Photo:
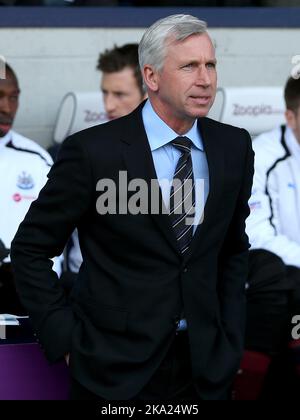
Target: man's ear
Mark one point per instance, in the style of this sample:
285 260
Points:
290 118
151 78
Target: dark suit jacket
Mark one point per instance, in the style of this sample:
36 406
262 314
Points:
133 283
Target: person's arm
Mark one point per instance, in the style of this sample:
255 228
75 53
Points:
42 235
263 222
233 267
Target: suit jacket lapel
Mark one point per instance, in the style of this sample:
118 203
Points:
215 159
139 162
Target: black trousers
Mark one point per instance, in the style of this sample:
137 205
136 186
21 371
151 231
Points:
273 298
171 382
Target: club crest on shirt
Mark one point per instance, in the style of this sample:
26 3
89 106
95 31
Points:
25 181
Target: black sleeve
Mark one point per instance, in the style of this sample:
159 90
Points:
42 235
234 260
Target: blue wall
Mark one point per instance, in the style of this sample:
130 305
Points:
125 17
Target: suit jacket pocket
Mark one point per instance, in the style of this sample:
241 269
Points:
104 316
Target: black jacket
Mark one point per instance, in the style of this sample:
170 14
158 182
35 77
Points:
133 283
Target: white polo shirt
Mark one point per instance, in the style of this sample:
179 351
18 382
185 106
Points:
24 166
274 222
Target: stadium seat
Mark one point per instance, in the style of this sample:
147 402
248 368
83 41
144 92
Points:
78 111
251 377
257 109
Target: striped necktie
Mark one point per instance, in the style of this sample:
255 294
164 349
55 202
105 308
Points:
182 196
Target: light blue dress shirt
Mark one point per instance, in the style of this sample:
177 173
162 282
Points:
166 156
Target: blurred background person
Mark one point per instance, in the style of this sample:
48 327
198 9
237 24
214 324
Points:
122 84
273 227
24 166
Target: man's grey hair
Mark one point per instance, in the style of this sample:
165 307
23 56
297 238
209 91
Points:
153 46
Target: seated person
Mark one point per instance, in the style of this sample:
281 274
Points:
24 166
273 228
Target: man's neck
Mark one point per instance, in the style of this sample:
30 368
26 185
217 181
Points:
180 125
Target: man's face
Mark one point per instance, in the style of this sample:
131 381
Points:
121 93
9 102
186 86
293 120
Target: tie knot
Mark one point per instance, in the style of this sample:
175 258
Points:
183 144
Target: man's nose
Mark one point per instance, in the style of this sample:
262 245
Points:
110 103
203 78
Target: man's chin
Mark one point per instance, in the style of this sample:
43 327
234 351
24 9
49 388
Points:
200 112
2 134
4 130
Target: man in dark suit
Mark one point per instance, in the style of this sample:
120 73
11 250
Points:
158 308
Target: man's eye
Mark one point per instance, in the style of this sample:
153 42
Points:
189 66
211 65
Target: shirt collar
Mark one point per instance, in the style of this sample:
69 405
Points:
160 134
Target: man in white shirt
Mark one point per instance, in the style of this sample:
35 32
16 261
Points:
274 223
24 166
273 228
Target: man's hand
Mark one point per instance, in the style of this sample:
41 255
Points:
67 358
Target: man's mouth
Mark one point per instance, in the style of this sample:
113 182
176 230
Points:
5 126
201 100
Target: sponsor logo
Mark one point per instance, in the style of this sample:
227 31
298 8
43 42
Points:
19 197
94 117
25 181
256 205
255 110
